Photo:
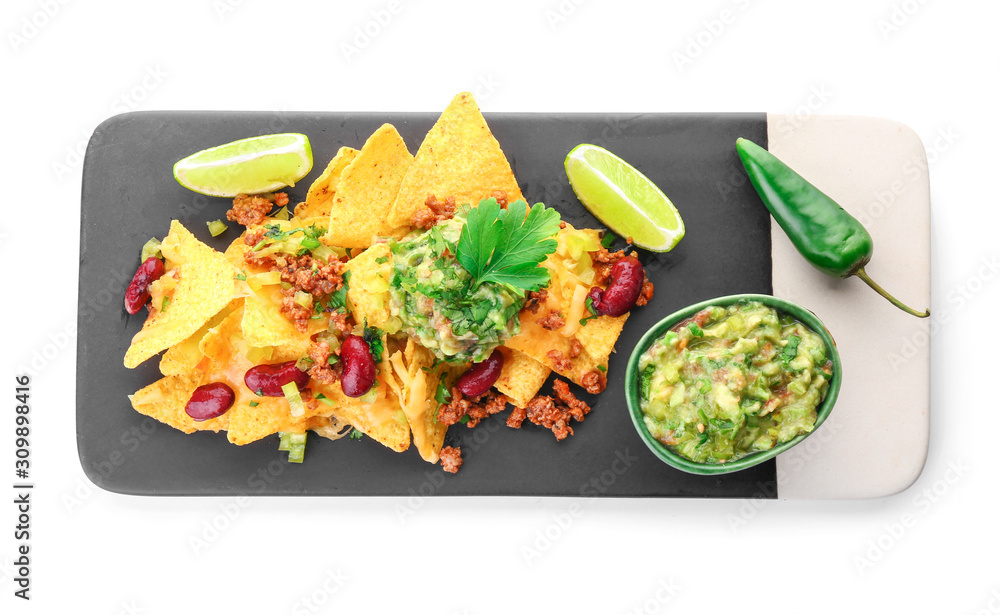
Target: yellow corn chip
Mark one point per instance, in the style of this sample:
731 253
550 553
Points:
184 356
599 335
459 157
271 415
551 349
204 284
368 288
265 325
367 190
165 399
382 420
320 195
250 418
521 377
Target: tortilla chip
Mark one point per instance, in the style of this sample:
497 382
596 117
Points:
271 415
521 377
367 190
538 342
205 283
381 420
320 195
415 388
368 287
265 325
165 399
599 335
184 356
459 157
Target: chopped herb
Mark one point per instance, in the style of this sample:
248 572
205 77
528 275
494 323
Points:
242 275
373 335
442 395
608 239
356 435
646 380
323 398
589 304
704 385
464 419
254 404
507 246
332 359
259 392
791 349
165 304
717 364
602 368
338 300
382 260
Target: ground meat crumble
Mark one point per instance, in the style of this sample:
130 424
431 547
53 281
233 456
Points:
304 273
559 361
552 413
251 209
553 321
603 262
321 370
451 459
594 381
433 212
534 300
476 408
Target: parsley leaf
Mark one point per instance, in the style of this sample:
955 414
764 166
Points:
506 246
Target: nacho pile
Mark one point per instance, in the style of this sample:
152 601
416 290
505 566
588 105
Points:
290 290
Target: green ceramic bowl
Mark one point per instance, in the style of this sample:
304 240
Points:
682 463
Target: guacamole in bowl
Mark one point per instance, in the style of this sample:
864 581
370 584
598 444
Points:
728 383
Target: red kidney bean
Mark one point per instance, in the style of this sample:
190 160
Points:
359 366
481 376
210 401
137 293
622 293
268 379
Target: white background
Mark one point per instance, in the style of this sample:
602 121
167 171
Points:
67 66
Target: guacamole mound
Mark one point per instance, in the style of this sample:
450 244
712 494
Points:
430 294
733 381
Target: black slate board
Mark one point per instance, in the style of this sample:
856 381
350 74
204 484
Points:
129 195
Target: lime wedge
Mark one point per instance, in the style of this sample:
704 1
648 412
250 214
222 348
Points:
248 166
623 198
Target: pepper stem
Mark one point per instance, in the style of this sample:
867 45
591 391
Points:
896 302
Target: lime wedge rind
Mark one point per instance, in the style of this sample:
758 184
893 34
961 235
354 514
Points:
252 165
624 199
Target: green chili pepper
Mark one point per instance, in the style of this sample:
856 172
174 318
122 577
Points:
831 239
